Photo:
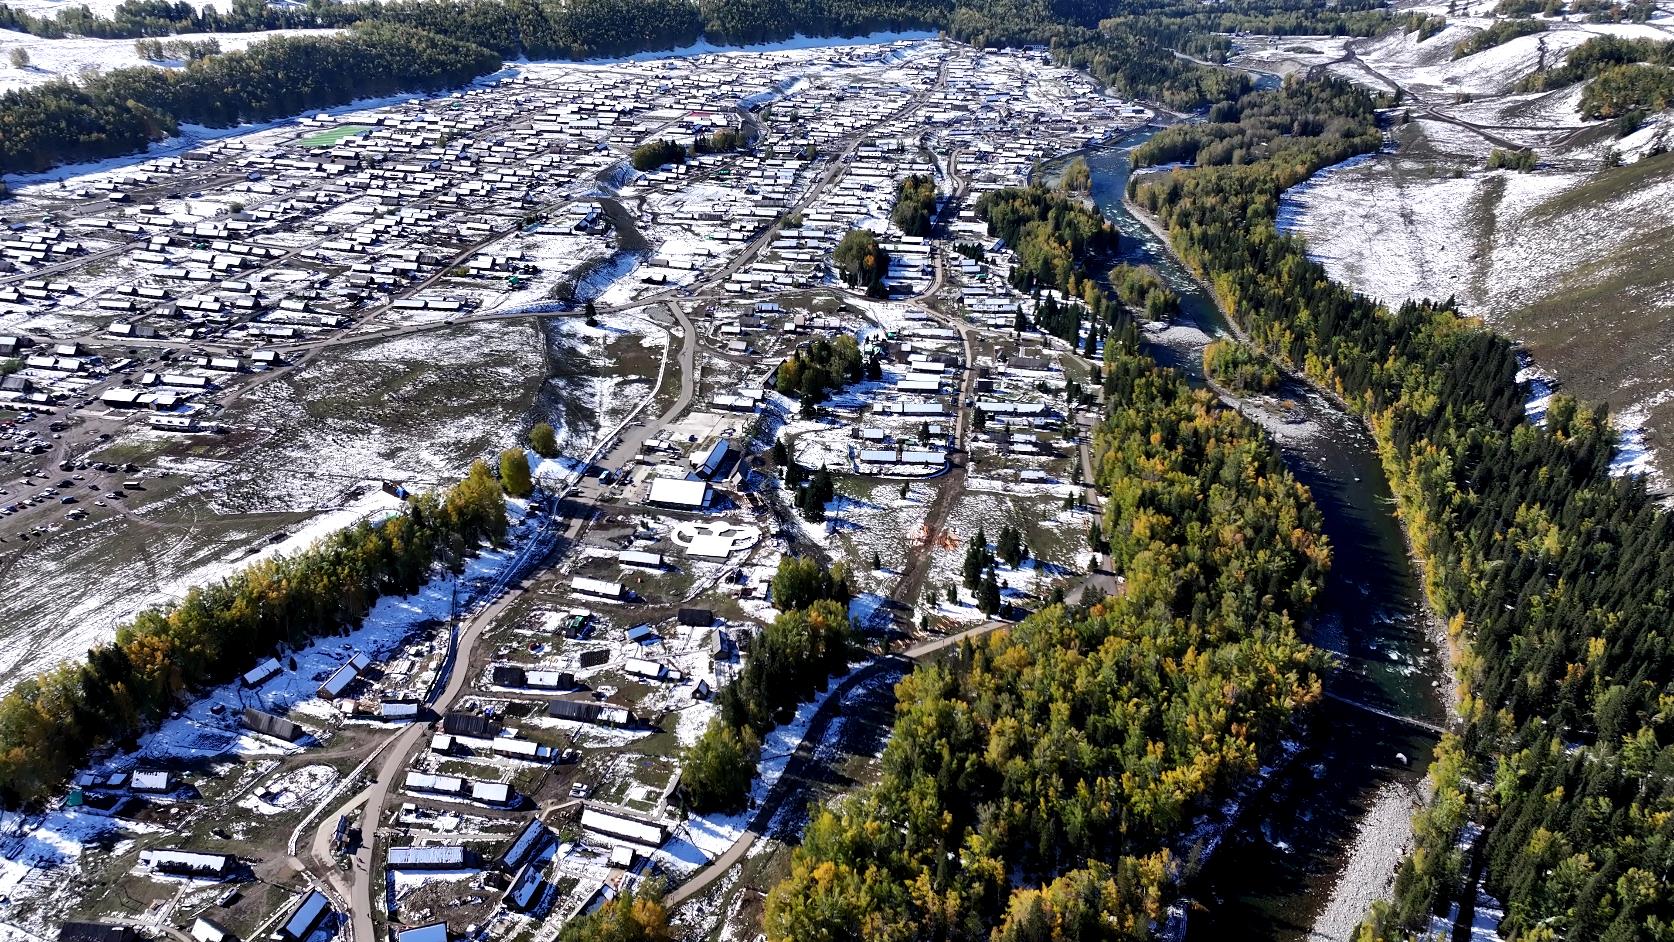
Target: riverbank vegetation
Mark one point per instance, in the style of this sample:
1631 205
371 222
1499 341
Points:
1143 290
1239 368
1057 239
1061 243
1552 574
51 724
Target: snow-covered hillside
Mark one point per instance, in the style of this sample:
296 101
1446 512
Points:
51 59
1570 258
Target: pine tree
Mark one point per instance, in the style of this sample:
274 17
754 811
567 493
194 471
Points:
988 594
819 492
974 559
1010 546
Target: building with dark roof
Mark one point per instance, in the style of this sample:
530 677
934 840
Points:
470 724
96 932
275 726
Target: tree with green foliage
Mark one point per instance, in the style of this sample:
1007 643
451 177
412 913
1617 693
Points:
988 594
820 367
716 771
1078 177
1010 548
635 916
122 110
812 499
544 440
789 660
800 581
976 560
1239 367
514 472
1553 580
720 141
915 205
659 153
1020 761
862 262
51 723
1498 33
1521 160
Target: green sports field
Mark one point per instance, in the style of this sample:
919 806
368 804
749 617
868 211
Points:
334 136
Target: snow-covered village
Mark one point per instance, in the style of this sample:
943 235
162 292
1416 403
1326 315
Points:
246 343
827 470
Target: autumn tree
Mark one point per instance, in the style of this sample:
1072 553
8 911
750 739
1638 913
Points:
915 205
635 916
1078 177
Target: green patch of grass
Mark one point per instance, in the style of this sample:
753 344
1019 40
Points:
334 136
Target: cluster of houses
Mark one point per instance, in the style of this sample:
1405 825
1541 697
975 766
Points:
404 212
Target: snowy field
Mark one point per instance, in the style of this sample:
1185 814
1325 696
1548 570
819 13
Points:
75 56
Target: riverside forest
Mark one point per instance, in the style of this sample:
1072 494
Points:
607 471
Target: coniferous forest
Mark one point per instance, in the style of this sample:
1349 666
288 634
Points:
1059 761
1554 576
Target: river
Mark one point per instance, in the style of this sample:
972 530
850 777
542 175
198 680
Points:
1310 852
